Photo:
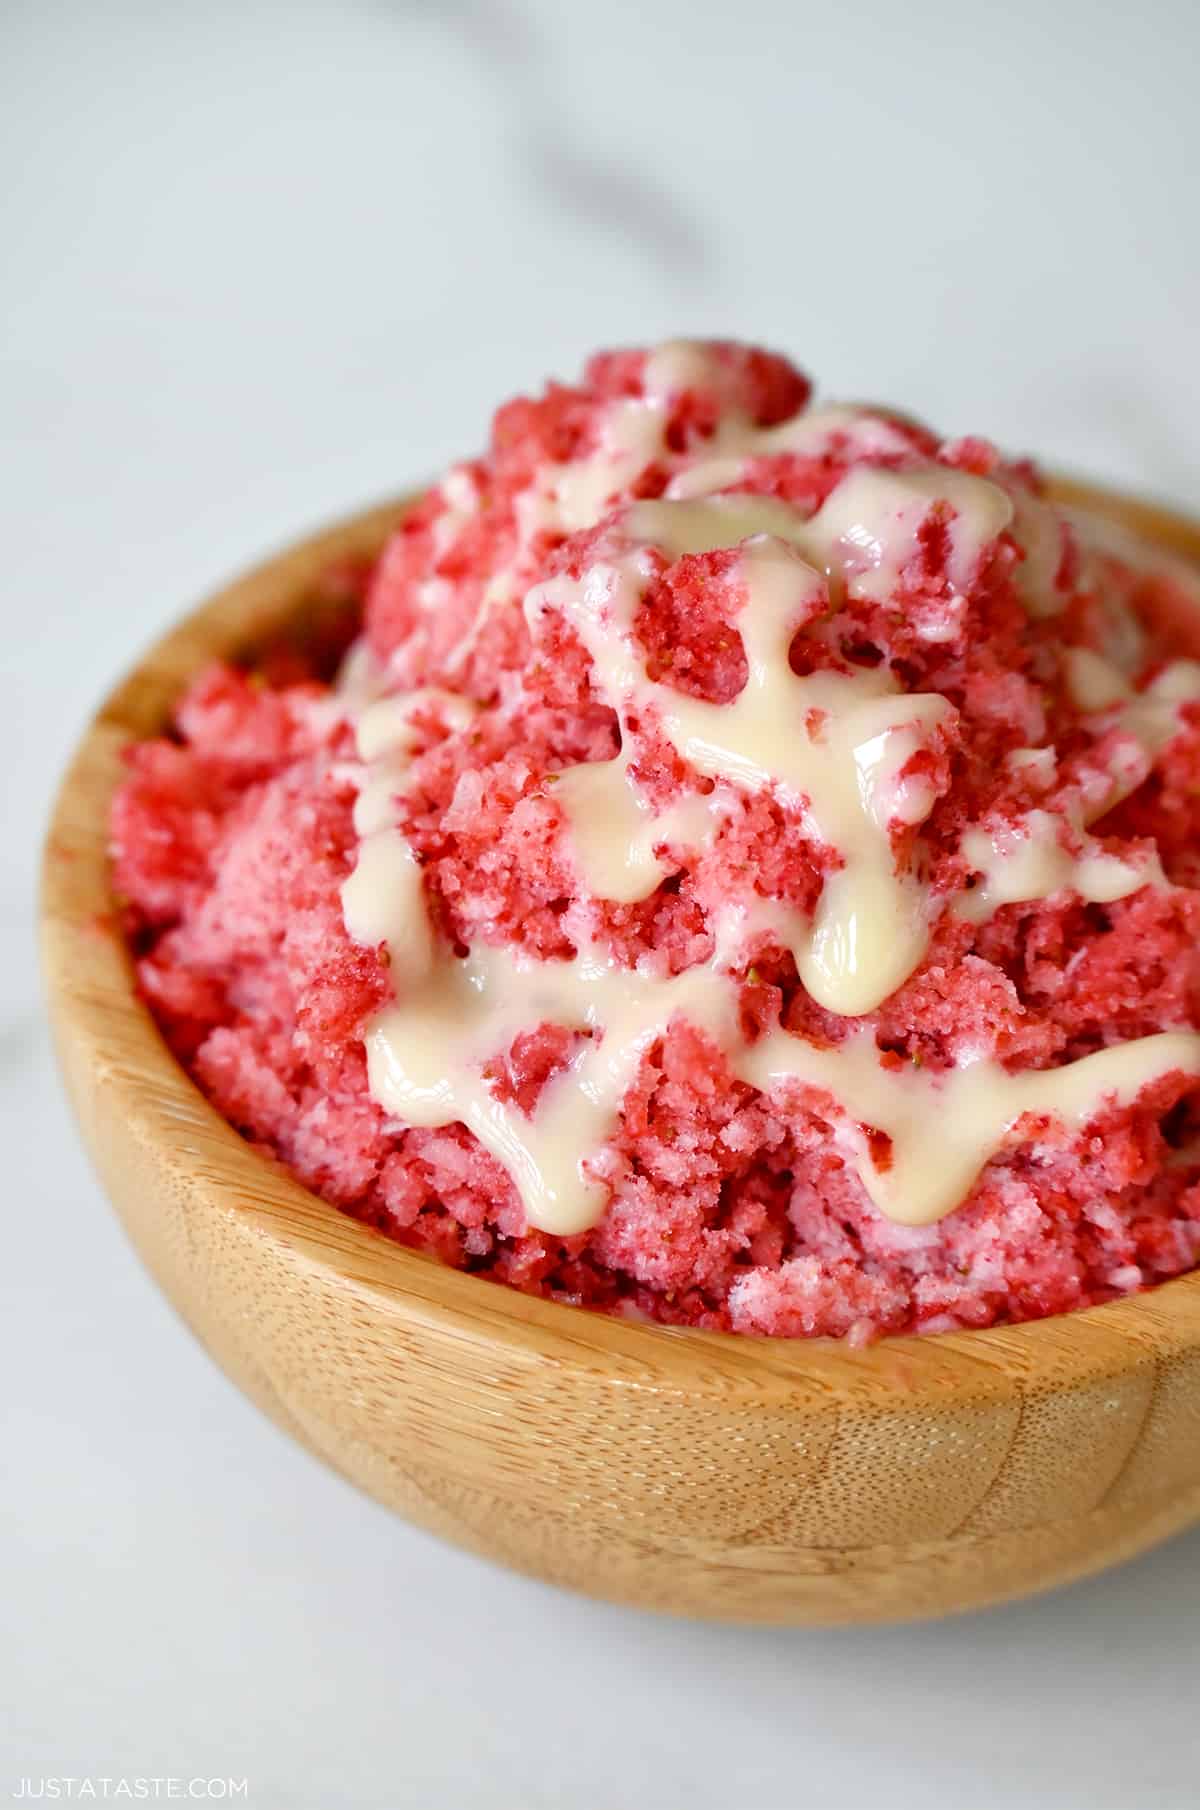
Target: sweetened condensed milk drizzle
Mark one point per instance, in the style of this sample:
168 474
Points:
836 747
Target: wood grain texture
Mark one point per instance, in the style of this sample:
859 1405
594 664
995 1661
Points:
748 1480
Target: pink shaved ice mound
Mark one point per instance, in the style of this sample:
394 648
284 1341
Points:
722 1204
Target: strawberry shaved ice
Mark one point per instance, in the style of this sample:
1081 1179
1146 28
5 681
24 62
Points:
744 874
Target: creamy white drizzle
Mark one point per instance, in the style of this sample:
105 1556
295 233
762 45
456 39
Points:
631 437
383 902
1044 852
834 745
1143 721
574 495
1093 682
867 526
943 1128
616 836
383 899
425 1057
859 431
1028 859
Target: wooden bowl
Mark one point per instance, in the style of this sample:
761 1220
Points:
743 1479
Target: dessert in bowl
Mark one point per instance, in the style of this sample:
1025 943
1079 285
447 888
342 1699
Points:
739 880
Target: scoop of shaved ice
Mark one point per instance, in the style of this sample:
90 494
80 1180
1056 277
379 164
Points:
726 1207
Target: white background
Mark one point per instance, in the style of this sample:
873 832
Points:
263 263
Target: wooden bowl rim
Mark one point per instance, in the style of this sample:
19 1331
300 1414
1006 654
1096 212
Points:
89 981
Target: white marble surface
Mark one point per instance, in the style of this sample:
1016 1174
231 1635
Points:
261 263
